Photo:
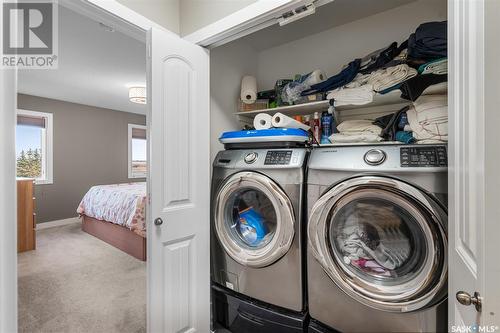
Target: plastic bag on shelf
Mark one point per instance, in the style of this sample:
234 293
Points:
292 91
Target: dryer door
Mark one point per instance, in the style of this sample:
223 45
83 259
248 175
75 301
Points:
383 242
254 219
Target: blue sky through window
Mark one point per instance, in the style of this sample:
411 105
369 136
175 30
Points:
28 137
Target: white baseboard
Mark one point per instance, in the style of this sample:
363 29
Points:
58 223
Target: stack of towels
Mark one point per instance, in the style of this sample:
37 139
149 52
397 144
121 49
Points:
351 131
428 118
362 89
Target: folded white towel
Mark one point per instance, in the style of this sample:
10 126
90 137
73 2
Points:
355 137
387 77
358 126
349 95
436 89
428 118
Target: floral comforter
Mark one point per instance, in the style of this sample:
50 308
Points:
122 204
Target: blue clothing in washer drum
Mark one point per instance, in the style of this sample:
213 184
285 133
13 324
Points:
252 226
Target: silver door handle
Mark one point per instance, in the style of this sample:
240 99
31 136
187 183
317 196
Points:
466 299
158 221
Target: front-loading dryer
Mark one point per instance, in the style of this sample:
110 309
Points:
377 238
257 241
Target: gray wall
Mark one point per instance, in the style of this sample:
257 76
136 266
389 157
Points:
228 64
162 12
90 148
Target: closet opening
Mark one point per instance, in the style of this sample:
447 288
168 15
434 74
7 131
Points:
329 43
365 83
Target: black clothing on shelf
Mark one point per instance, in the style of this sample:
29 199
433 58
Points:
414 87
429 41
389 124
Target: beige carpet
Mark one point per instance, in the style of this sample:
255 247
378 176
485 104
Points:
74 282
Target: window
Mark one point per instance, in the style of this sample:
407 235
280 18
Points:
34 146
137 151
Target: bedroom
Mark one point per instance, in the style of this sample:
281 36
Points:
81 148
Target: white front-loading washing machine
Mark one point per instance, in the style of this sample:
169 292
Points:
377 238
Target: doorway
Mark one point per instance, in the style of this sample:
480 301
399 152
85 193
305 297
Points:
81 144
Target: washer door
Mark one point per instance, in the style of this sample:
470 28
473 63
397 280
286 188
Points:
382 241
254 219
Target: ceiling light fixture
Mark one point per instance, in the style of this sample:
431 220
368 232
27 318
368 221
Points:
137 95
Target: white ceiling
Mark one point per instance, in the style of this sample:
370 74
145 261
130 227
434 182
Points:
96 66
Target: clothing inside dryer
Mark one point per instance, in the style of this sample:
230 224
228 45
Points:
251 218
377 240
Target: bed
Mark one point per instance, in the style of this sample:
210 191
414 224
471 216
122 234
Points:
116 214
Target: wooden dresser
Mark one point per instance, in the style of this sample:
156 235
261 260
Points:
26 217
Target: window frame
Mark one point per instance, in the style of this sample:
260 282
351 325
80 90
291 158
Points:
47 145
131 174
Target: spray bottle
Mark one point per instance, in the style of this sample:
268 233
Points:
316 127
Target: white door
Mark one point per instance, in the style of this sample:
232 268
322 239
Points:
474 156
179 183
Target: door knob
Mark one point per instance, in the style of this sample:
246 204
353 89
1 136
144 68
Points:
466 299
158 221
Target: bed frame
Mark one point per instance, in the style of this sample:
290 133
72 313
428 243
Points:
116 235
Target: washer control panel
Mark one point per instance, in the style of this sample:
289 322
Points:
435 156
278 157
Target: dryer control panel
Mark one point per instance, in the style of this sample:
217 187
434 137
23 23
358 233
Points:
434 156
278 157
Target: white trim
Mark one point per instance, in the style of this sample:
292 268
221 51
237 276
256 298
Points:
245 21
132 175
57 223
47 145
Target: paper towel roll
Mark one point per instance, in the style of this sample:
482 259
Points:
315 77
282 121
248 89
262 121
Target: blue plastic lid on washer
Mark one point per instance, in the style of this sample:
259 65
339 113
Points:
270 133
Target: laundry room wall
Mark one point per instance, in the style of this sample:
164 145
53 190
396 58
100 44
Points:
228 64
331 49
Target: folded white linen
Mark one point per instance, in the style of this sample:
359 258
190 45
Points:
354 137
428 118
387 77
436 89
352 95
358 126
